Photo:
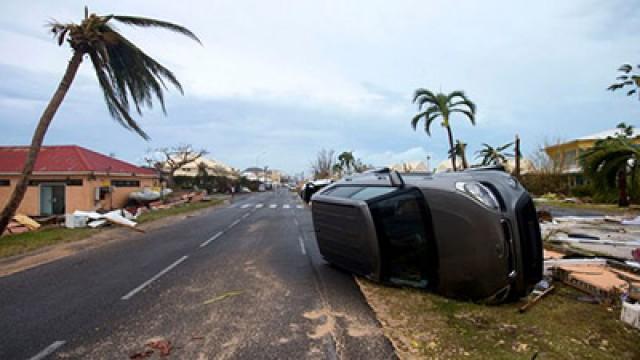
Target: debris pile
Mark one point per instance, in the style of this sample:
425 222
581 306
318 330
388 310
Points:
598 255
21 224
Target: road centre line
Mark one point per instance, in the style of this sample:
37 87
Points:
131 293
304 252
48 350
273 206
211 239
245 206
246 215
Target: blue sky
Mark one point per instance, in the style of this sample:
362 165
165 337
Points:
276 81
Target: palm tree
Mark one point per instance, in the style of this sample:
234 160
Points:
493 155
442 106
125 74
611 161
627 79
461 152
346 161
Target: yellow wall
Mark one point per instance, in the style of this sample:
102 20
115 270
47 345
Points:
76 197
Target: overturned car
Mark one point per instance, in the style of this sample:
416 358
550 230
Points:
472 234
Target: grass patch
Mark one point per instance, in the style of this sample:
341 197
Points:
22 243
426 325
177 210
11 245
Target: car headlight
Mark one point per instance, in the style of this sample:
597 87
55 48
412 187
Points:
479 193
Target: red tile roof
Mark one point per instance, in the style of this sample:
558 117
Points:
66 158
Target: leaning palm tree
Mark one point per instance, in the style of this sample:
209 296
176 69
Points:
493 155
125 74
611 161
442 106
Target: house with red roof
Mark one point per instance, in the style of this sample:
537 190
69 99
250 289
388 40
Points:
68 178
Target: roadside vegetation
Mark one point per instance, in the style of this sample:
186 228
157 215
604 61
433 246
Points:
18 244
425 325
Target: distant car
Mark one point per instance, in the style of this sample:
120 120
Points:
245 189
312 187
472 234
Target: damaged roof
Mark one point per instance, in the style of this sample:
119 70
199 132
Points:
66 159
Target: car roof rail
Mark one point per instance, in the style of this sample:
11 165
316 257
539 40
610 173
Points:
496 167
394 177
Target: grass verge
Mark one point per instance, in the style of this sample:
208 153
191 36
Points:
425 325
11 245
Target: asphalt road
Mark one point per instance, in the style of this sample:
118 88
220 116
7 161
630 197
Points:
242 281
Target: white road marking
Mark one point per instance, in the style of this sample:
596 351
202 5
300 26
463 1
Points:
286 206
233 224
48 350
299 206
304 252
245 206
258 206
296 221
211 239
131 293
246 215
273 206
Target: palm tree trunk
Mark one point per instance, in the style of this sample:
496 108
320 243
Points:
623 199
451 148
38 137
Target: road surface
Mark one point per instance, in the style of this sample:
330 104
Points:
240 281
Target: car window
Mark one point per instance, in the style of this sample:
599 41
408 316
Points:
371 192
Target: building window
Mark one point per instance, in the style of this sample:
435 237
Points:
5 182
68 182
125 183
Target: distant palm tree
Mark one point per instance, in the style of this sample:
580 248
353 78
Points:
346 161
611 161
461 152
627 79
442 106
125 74
494 156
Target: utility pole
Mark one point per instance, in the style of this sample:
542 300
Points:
517 154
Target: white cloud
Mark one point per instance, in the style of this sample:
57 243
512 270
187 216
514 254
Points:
387 158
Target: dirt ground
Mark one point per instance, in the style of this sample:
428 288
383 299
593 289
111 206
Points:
560 326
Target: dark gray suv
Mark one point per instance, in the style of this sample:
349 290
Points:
472 234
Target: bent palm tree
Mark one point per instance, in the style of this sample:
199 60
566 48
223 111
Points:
494 156
442 106
609 163
125 74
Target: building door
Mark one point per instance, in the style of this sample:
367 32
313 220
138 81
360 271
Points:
52 199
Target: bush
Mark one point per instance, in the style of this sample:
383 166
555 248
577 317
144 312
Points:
581 191
539 184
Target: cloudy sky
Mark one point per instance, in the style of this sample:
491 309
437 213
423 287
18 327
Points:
276 81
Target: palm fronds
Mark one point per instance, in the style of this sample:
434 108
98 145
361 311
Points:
125 73
627 79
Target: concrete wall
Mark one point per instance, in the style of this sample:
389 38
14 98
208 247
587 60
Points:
76 197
